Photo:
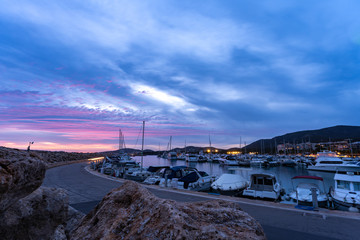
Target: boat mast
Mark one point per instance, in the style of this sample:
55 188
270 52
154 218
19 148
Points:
276 152
119 141
170 143
185 145
240 146
142 147
210 146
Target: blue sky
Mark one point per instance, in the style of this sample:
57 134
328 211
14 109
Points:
73 72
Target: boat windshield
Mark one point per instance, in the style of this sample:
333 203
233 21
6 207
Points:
343 184
327 154
331 162
356 186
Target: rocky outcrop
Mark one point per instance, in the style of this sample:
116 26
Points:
73 219
20 174
27 211
132 212
36 216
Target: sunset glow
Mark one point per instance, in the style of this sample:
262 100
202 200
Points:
73 73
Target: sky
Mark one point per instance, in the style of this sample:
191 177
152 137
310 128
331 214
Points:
72 73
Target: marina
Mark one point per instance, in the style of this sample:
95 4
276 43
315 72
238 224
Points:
87 188
283 173
292 184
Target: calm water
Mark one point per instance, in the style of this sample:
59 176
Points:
284 174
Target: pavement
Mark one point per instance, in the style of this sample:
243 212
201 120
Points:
86 188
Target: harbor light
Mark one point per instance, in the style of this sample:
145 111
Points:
95 159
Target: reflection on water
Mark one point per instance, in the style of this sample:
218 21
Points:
284 174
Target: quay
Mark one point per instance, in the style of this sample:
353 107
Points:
86 188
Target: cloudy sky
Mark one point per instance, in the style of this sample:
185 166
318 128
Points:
73 73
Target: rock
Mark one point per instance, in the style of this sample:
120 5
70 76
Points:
21 173
59 233
36 216
74 217
132 212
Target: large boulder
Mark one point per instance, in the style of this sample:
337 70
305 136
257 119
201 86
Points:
132 212
36 216
21 173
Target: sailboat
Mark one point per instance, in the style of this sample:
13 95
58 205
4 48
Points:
118 164
137 173
171 155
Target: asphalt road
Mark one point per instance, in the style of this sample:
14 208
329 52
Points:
86 191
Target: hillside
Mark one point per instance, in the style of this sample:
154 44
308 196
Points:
336 133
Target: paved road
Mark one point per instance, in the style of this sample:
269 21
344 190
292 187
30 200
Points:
86 190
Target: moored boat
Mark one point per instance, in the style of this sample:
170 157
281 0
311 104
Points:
263 185
229 184
303 188
345 195
172 156
191 157
329 162
196 180
139 175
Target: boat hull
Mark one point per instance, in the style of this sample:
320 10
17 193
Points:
261 194
344 206
339 169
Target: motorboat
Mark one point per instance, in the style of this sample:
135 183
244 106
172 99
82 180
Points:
229 184
263 185
139 175
202 158
182 177
329 161
215 158
346 193
164 175
173 173
136 174
302 191
192 157
115 166
289 163
172 156
181 156
155 178
229 160
196 180
257 162
244 163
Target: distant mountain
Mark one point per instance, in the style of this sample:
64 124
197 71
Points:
336 133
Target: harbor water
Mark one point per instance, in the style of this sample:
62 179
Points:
283 174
